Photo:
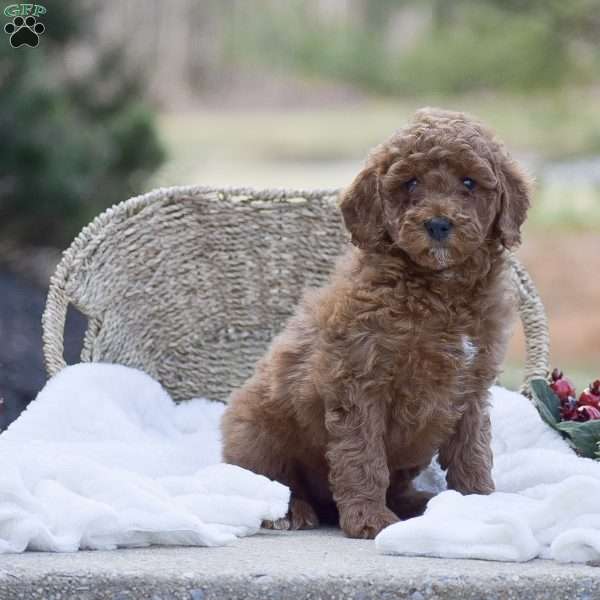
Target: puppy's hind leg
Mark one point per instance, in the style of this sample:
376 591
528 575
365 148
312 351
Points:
251 443
301 514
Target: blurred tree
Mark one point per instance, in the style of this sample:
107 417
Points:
454 46
575 19
73 143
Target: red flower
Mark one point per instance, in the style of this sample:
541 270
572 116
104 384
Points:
587 413
563 388
587 398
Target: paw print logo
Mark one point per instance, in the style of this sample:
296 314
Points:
24 31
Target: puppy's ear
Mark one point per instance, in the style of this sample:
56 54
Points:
515 193
362 210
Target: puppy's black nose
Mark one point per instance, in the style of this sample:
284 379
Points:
438 228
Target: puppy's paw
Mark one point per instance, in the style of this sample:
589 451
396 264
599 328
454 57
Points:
411 504
302 515
485 488
481 485
279 524
366 521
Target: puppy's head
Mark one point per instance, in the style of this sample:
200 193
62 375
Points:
438 190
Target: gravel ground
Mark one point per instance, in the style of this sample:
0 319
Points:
22 372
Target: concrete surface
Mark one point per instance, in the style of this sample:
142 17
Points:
274 565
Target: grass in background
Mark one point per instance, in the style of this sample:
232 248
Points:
549 125
325 147
565 206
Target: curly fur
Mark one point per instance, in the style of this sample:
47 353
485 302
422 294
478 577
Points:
391 362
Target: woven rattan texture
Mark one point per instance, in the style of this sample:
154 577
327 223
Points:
190 284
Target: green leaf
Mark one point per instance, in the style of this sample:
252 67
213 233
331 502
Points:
546 401
584 435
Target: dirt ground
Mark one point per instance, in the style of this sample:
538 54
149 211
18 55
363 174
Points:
22 372
566 271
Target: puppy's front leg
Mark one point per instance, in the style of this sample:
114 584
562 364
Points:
468 453
358 470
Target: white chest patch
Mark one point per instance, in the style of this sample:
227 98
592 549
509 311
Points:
469 349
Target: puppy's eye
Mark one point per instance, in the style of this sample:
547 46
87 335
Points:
469 183
411 184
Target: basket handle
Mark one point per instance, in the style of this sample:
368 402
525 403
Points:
53 321
53 328
535 327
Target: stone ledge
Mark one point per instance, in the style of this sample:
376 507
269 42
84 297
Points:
277 565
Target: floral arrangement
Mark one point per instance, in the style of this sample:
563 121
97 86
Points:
577 419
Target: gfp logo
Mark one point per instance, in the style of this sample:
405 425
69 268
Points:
25 29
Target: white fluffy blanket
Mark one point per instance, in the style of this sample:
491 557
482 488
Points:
547 502
103 458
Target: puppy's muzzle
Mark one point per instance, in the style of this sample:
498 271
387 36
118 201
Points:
438 228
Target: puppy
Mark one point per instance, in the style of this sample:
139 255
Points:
391 362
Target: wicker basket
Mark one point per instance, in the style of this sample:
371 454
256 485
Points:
191 283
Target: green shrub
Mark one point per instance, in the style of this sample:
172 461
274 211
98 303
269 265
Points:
492 51
70 147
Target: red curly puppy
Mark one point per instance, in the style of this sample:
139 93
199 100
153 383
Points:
391 362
